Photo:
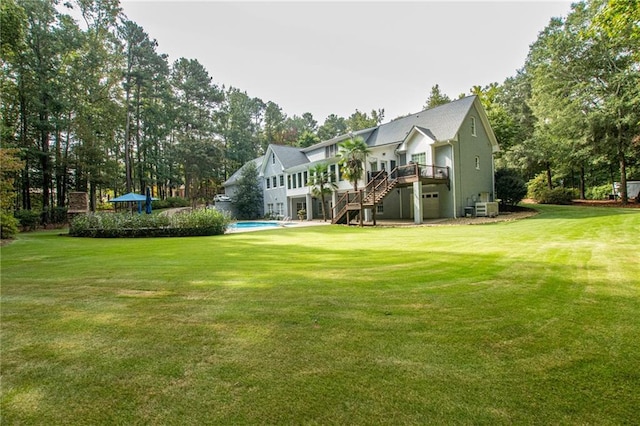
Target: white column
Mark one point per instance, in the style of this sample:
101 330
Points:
334 200
417 202
309 207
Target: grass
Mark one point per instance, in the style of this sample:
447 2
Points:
533 321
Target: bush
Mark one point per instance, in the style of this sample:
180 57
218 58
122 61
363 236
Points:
170 203
58 215
557 196
601 192
8 225
117 225
510 187
29 219
537 186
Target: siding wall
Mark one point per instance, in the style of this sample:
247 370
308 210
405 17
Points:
278 194
473 181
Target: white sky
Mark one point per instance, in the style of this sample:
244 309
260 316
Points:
336 57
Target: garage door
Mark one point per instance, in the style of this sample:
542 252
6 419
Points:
430 205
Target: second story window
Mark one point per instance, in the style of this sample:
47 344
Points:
473 126
420 158
330 150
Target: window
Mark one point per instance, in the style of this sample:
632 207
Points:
281 180
420 158
273 158
473 126
305 179
268 183
300 180
288 181
379 209
301 206
477 163
280 209
269 208
330 150
274 181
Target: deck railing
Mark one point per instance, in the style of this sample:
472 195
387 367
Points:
380 183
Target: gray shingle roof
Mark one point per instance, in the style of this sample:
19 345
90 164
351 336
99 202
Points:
234 177
443 122
289 156
440 123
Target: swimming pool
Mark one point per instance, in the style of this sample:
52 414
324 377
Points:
254 226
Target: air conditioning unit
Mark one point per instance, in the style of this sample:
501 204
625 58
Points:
488 209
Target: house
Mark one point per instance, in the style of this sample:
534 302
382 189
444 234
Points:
437 163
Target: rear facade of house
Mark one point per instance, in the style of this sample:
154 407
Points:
437 163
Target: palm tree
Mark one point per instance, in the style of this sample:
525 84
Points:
321 184
353 153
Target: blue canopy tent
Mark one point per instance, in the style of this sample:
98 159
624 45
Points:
132 197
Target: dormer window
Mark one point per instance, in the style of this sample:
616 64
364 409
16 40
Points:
473 126
330 150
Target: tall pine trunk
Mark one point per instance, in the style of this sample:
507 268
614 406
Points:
45 164
582 183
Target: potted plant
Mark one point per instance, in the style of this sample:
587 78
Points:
302 213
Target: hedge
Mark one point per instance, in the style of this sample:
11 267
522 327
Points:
201 222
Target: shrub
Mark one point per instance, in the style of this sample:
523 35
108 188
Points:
29 219
510 187
212 221
115 225
557 196
8 225
601 192
58 215
104 206
537 186
170 203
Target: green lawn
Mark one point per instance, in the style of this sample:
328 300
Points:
531 321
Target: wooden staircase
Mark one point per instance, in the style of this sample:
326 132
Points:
381 185
371 195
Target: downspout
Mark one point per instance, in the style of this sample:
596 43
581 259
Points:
493 177
453 180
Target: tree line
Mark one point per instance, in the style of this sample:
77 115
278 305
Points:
92 105
572 112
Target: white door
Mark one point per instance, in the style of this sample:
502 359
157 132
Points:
430 205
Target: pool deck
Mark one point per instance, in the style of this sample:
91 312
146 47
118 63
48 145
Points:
503 217
287 224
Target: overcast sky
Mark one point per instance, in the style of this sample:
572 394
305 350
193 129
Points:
336 57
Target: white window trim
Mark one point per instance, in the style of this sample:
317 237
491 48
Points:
473 127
